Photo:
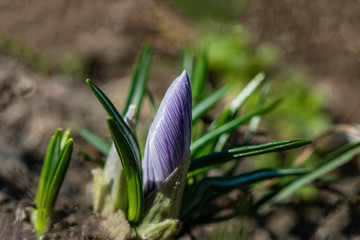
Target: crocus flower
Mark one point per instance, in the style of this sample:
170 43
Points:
169 135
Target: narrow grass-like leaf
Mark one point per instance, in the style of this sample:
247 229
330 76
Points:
58 173
133 176
213 134
199 77
253 125
334 160
249 89
254 122
230 112
152 102
64 138
211 187
139 80
187 63
207 103
54 169
50 157
129 136
127 147
101 144
212 160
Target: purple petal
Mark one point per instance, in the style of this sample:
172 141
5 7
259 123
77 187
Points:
169 135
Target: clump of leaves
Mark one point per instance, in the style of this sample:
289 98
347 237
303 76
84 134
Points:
53 172
153 184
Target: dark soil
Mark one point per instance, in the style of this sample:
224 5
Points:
319 37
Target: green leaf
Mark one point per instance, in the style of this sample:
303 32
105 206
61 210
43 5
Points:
64 138
114 114
254 122
132 175
187 63
207 103
231 110
152 102
54 169
58 173
249 89
127 147
211 187
199 78
210 161
101 144
334 160
50 158
229 113
139 80
213 134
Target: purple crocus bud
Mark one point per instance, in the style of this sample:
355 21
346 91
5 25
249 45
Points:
169 135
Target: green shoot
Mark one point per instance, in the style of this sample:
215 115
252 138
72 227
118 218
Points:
199 76
229 113
56 163
211 187
208 102
138 84
332 161
102 145
213 160
118 185
187 63
228 127
127 147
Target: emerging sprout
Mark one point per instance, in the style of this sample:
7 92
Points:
56 163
